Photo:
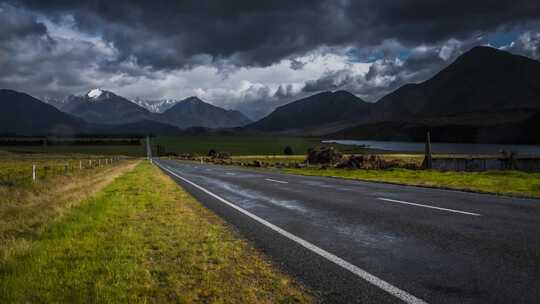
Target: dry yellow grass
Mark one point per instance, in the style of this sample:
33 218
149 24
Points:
26 210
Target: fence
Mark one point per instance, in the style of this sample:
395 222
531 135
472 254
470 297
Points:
15 173
527 164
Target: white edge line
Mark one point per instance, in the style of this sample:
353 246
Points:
389 288
427 206
276 181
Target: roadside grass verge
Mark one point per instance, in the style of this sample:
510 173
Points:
143 239
498 182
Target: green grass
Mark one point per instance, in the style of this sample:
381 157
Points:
499 182
239 145
142 240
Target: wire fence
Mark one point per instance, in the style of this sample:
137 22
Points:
27 172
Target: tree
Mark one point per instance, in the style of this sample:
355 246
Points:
288 150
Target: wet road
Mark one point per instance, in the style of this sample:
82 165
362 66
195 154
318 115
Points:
361 242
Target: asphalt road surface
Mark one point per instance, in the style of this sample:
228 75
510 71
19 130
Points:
361 242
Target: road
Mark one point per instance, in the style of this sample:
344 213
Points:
362 242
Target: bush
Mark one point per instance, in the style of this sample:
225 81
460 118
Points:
288 150
212 153
323 155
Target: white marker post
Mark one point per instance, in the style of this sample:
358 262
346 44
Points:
33 173
80 165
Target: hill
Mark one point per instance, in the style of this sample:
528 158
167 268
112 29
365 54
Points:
482 79
193 112
318 111
23 114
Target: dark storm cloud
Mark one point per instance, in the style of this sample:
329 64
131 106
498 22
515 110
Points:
174 34
146 48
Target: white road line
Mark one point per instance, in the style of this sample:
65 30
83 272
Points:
389 288
428 206
276 181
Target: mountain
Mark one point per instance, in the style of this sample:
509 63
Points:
482 79
327 110
104 107
156 106
486 96
193 112
23 114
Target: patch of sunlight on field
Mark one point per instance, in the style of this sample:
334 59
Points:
498 182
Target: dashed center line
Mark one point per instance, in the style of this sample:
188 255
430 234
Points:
427 206
276 181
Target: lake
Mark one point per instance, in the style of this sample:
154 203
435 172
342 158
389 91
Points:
454 148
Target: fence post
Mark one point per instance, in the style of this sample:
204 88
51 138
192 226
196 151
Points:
80 164
99 162
33 173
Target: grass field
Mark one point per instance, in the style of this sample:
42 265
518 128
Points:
499 182
141 239
240 145
27 207
126 150
16 169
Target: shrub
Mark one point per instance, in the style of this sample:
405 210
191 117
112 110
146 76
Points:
288 150
323 155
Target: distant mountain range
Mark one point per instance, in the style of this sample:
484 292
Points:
156 106
485 95
104 107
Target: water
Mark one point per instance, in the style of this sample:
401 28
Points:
450 148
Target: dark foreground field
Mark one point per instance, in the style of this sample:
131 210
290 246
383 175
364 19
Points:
241 145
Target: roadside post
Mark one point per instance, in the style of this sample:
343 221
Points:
33 173
428 161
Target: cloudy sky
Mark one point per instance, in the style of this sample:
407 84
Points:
248 55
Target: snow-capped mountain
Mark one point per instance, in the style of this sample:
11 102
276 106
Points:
103 107
156 106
